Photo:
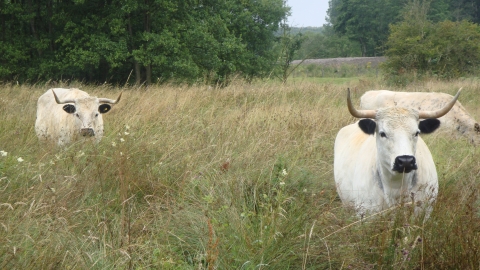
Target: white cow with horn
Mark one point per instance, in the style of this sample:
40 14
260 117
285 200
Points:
381 161
457 122
66 114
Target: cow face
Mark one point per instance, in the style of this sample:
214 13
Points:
396 132
87 113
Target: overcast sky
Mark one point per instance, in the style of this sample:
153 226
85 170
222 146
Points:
307 12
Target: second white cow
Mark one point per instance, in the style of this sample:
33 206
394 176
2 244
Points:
66 114
381 160
457 122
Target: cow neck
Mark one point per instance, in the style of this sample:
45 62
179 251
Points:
394 185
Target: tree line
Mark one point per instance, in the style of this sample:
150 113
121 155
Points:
145 41
362 27
433 37
212 41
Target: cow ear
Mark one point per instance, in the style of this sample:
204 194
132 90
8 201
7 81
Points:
367 125
69 108
104 108
429 125
476 127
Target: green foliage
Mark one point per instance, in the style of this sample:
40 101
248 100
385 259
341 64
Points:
327 44
102 41
365 22
445 49
288 46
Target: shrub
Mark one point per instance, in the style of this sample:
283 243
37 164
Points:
446 49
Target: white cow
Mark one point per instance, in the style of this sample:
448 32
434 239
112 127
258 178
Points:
65 114
381 160
457 122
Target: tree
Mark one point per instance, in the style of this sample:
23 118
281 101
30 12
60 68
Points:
365 21
464 10
418 46
211 39
327 44
289 44
156 40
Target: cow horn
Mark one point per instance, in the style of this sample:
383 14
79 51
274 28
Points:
441 112
61 101
356 113
111 101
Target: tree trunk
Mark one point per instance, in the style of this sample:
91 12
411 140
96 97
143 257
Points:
50 26
136 66
32 26
364 47
148 71
148 68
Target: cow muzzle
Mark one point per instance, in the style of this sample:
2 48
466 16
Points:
405 164
87 132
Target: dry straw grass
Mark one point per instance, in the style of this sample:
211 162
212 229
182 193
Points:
194 177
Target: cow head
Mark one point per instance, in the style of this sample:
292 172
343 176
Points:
87 111
396 131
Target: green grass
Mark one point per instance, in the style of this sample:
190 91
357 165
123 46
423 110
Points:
190 177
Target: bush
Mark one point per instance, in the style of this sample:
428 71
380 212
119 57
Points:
446 49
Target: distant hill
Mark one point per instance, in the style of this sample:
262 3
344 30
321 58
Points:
295 30
303 30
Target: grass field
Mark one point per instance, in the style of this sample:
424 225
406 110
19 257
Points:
194 177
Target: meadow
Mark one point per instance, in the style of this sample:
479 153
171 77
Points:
240 177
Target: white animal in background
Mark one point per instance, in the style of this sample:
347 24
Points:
63 115
381 161
456 122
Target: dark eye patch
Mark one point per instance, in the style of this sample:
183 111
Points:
104 108
429 125
367 125
69 108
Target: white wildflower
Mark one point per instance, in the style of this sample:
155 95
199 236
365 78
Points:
122 140
126 133
20 159
284 172
114 144
282 183
127 127
3 153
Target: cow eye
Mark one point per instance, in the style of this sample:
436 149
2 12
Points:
382 134
417 133
77 115
96 115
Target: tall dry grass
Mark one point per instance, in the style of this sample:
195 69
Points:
193 177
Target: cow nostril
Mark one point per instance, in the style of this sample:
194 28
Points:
87 132
405 164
